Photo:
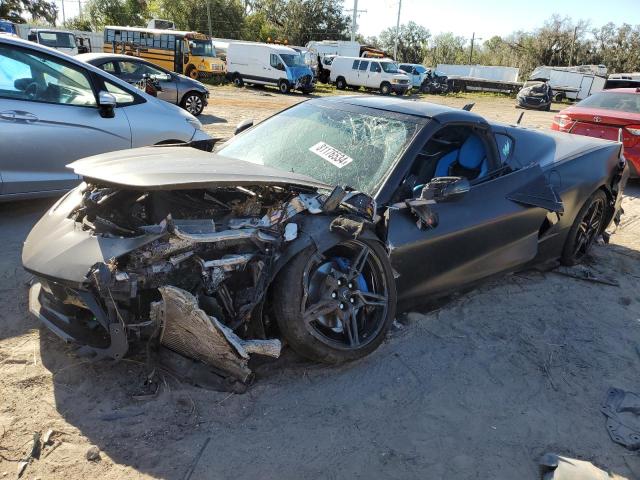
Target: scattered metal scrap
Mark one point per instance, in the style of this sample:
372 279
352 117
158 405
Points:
583 273
622 410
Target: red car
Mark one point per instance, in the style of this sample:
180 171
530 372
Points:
603 115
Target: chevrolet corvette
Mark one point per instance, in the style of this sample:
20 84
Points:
310 228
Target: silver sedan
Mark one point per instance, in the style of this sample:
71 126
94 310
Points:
190 94
55 109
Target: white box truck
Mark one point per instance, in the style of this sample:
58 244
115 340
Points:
268 64
570 82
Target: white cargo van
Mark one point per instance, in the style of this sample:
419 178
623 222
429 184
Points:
268 64
375 73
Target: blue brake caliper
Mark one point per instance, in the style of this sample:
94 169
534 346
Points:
345 265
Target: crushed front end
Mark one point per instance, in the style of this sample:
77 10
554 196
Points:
185 269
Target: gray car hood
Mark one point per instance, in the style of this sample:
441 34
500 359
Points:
160 168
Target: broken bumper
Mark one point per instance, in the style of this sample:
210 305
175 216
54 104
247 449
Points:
76 317
400 87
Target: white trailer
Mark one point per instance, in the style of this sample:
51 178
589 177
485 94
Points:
481 72
574 83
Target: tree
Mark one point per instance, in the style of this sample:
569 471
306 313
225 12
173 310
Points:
412 42
299 21
15 10
117 12
227 16
446 48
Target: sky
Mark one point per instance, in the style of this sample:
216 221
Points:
463 17
489 17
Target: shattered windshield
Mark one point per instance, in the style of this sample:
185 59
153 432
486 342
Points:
334 146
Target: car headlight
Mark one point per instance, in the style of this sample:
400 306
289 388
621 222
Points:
395 80
194 122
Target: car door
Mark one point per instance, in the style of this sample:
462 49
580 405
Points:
132 71
375 75
49 117
363 74
352 73
492 228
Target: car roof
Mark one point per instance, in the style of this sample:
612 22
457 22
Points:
622 90
49 30
5 39
408 107
87 57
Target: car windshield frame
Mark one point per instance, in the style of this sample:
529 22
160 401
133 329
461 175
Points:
309 127
630 96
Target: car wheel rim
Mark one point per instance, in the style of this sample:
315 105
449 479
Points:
346 296
193 104
588 228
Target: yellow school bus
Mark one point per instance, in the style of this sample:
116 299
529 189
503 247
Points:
189 53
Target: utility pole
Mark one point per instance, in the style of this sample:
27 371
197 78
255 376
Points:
354 19
573 42
473 38
79 9
64 18
395 48
209 17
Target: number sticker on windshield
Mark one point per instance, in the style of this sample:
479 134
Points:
331 154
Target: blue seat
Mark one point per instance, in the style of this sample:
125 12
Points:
469 161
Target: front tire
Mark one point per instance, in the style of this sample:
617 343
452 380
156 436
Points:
284 86
192 72
589 223
336 306
237 80
385 88
193 103
341 83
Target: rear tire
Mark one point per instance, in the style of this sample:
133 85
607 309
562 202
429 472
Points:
589 223
193 103
341 83
385 88
324 336
237 80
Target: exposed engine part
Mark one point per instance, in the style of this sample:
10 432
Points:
198 286
188 330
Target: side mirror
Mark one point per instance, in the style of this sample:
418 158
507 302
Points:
445 189
107 103
280 66
32 37
243 125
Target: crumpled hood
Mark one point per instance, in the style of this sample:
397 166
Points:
295 73
158 168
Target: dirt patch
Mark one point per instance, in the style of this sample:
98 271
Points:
477 387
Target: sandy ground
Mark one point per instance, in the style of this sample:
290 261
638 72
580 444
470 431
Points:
478 387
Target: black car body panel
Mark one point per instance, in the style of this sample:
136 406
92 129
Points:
142 216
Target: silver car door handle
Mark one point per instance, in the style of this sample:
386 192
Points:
17 115
8 115
25 117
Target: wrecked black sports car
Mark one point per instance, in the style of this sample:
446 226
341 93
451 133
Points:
310 227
